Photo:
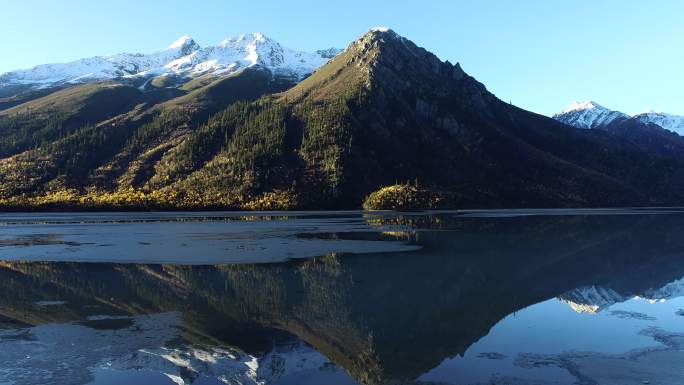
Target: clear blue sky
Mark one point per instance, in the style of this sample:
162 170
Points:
539 54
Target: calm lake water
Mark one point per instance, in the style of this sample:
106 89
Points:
324 298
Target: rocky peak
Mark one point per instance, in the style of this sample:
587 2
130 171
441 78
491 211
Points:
397 64
185 44
383 47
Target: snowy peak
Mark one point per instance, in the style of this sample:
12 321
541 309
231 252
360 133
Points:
235 53
667 121
246 40
580 106
377 32
184 58
593 299
182 42
380 29
588 114
185 45
257 48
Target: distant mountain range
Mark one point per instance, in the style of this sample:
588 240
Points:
593 115
183 59
594 299
655 132
249 124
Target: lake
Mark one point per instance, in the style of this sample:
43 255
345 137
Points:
464 297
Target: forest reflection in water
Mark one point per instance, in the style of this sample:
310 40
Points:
447 311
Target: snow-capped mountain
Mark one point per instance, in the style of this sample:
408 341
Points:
592 115
669 122
183 58
593 299
588 115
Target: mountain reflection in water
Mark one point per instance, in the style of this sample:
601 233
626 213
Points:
397 317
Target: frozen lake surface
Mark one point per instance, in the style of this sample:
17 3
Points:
186 238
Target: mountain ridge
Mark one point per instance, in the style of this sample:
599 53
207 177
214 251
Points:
184 57
587 115
654 132
590 114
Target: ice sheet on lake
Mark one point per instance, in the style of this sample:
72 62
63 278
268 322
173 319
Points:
186 238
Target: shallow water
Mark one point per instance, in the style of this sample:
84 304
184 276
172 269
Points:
477 297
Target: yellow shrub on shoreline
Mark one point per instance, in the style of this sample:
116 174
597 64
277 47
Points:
406 197
137 199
